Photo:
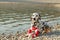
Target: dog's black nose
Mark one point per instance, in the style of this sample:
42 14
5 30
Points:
34 19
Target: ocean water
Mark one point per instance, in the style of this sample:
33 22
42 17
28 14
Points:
12 22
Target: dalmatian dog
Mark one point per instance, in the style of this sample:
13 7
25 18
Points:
39 23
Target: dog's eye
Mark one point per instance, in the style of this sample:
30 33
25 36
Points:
36 15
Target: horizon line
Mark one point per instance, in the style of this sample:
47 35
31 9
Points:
29 2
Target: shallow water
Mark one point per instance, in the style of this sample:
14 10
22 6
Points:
12 22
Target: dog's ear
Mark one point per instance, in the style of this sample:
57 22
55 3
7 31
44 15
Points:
39 16
31 18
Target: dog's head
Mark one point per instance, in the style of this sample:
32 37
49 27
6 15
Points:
35 16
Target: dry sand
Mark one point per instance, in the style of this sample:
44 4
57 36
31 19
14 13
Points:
23 37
